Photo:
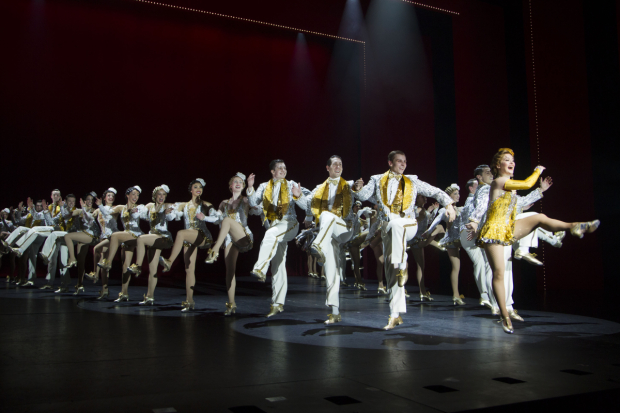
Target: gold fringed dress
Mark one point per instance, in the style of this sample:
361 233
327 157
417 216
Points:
500 223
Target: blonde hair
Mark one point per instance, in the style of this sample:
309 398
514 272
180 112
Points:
230 181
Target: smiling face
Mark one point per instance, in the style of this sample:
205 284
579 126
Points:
109 198
4 214
335 169
70 202
455 196
133 196
55 197
399 164
160 196
38 207
279 172
236 185
507 165
89 201
196 190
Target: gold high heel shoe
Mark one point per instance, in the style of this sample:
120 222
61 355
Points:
147 301
78 289
211 256
458 300
426 296
103 293
343 284
165 263
583 227
187 306
331 319
361 286
402 277
92 276
134 269
275 309
230 309
508 329
393 322
71 264
104 264
513 314
382 290
122 297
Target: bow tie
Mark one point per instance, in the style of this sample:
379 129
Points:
396 176
334 181
279 181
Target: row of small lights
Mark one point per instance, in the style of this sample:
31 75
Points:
426 6
536 125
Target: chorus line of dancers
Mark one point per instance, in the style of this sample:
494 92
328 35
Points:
489 226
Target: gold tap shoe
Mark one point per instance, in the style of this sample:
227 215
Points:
165 263
426 296
560 235
147 301
134 269
361 286
104 264
495 311
513 314
275 309
187 306
62 289
103 293
393 322
343 284
26 284
230 309
259 274
92 276
323 277
211 256
331 319
529 257
581 228
382 290
486 303
47 287
70 264
508 329
458 301
78 289
122 297
402 277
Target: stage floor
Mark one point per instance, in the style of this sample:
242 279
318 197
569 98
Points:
62 352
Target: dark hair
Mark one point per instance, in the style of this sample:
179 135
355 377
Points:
195 181
329 161
39 201
471 182
130 190
480 169
71 196
497 159
89 194
272 164
57 190
393 154
106 192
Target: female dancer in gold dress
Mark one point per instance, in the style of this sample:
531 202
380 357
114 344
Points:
234 234
501 229
195 235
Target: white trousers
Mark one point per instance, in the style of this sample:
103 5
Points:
15 235
508 284
25 241
273 250
54 244
482 270
333 232
395 236
528 241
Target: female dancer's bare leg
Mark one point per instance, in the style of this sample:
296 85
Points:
189 235
495 255
153 255
231 253
310 272
98 252
418 256
115 240
526 225
81 265
72 237
377 247
455 260
129 249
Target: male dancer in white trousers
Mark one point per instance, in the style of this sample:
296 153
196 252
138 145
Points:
29 221
395 195
331 206
481 202
484 178
55 244
278 197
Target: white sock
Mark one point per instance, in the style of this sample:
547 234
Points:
335 310
395 315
